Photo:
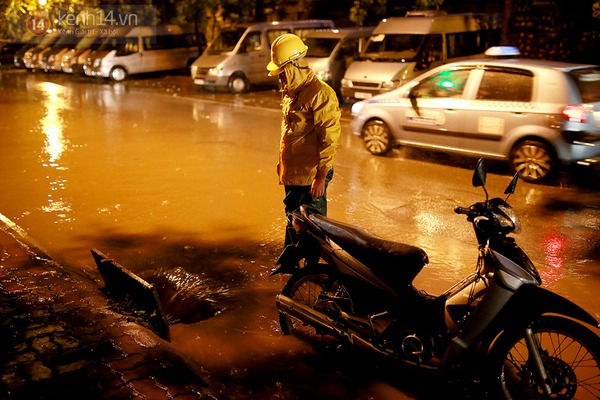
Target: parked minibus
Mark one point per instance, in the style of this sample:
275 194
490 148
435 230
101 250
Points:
148 49
331 51
73 60
51 60
402 48
109 43
33 56
239 55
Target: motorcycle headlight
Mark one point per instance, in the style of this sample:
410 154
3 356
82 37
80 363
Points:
509 219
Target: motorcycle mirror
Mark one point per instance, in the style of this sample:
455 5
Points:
512 186
413 101
480 172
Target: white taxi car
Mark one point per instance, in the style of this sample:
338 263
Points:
538 115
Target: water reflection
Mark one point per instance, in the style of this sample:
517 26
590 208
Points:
55 145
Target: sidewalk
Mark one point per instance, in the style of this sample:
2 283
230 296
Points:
59 339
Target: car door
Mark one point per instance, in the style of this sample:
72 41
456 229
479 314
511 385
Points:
435 118
502 104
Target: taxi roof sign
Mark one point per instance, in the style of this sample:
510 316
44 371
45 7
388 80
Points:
502 51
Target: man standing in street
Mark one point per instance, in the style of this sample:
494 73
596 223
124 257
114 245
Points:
310 130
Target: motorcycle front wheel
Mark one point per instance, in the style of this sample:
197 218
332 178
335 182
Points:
570 353
316 287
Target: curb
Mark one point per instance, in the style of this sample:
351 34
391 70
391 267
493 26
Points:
61 339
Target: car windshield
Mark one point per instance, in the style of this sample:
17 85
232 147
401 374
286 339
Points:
404 47
226 41
588 82
320 47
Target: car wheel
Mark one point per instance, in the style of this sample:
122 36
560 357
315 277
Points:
238 83
377 137
117 74
533 160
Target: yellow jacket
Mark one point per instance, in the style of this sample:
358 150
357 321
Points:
310 130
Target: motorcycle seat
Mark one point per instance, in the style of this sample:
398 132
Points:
397 262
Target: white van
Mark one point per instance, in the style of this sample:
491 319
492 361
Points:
71 62
330 51
148 49
239 55
402 48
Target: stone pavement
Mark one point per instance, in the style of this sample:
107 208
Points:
60 340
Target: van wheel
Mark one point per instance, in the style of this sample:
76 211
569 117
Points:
533 160
117 74
377 137
238 83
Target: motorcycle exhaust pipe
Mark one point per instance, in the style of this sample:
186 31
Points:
318 319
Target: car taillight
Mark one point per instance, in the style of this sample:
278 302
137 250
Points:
575 113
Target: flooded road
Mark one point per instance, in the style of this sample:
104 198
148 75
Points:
183 191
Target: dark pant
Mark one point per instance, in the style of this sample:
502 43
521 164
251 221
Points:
295 196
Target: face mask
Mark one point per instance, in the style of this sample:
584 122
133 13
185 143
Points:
282 78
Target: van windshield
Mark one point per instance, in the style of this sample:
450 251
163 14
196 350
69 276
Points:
320 47
110 43
226 41
389 47
86 42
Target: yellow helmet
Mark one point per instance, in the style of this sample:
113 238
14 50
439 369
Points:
285 49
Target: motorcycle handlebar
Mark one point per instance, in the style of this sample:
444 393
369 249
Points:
463 210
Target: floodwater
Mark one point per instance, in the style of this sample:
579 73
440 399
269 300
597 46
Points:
183 191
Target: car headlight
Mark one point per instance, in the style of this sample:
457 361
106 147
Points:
391 84
194 70
97 62
347 83
215 71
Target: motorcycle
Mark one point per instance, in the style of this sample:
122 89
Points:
512 338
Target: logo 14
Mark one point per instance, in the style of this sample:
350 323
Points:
38 23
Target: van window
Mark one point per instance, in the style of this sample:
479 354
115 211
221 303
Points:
226 41
445 84
349 49
251 42
274 34
302 32
464 44
506 85
320 47
164 42
432 52
392 47
129 46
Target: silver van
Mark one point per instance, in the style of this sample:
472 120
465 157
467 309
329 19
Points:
239 55
402 48
147 49
330 51
72 62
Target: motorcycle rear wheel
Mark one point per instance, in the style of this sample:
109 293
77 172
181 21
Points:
570 354
317 288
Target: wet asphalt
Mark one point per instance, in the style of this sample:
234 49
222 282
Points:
62 340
